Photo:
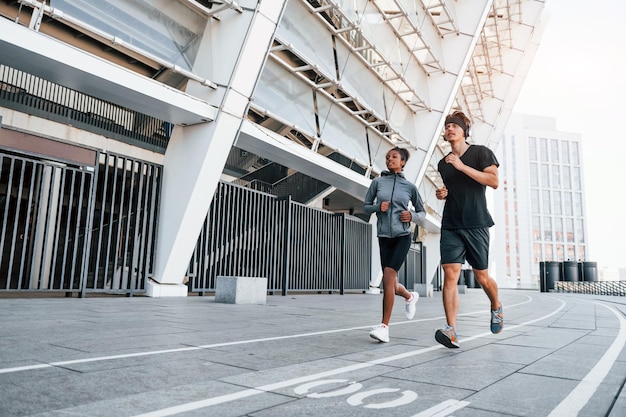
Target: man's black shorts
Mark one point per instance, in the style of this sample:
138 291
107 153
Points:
457 245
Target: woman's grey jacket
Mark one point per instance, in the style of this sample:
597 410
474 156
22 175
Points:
399 191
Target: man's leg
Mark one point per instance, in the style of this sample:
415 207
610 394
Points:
451 274
488 285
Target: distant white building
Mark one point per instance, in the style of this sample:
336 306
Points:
540 208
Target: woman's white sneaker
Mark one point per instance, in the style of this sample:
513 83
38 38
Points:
380 333
410 305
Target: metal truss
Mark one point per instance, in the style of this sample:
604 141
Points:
353 37
290 59
409 34
440 16
210 8
487 58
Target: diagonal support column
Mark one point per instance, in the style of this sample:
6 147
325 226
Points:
197 154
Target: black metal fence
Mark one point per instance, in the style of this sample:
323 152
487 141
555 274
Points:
297 248
77 229
595 288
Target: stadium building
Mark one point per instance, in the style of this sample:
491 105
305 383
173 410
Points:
148 146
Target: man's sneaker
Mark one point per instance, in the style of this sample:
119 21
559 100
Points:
380 333
410 305
447 337
497 320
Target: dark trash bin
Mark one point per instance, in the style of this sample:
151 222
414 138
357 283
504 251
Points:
549 272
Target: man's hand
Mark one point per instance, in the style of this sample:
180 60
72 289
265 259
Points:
441 193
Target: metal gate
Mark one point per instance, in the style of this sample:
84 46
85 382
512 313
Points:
77 229
44 207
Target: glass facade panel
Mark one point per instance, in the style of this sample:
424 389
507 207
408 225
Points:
171 33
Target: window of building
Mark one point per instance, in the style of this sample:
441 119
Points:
556 176
580 231
536 228
567 204
556 197
565 151
548 253
569 229
534 201
567 179
545 176
578 204
534 175
559 253
532 148
546 202
543 149
537 252
575 154
547 229
558 229
581 253
571 253
576 183
554 150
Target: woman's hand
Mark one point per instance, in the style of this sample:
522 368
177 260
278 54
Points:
405 216
384 206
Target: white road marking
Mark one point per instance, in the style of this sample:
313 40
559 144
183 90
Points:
444 409
240 342
308 378
406 398
579 396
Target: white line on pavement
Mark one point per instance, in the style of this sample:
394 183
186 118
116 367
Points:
195 405
585 389
240 342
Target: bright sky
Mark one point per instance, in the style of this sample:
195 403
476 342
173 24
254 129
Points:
578 76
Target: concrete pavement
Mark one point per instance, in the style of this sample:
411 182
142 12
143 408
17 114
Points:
310 355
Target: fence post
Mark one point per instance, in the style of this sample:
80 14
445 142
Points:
287 244
342 254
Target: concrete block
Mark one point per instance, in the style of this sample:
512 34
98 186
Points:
240 290
424 290
462 289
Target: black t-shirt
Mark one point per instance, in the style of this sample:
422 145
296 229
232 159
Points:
466 204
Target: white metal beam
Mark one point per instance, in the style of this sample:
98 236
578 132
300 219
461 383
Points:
53 60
